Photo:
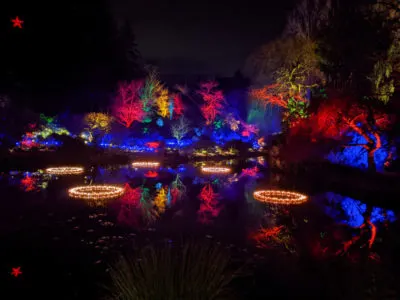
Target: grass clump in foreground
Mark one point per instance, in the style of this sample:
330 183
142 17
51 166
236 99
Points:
195 271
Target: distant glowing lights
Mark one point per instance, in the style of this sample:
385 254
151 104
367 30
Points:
65 170
96 192
279 197
145 164
215 170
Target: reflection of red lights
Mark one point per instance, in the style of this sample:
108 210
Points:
175 194
17 22
252 172
28 183
373 233
208 205
151 174
16 272
265 235
153 145
131 196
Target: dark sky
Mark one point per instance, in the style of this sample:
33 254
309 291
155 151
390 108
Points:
202 37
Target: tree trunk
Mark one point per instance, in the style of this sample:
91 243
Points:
371 161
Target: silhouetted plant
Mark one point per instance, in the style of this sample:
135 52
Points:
193 271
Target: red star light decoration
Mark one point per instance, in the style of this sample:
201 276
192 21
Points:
17 22
16 271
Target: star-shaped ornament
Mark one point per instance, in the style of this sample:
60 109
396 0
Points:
16 271
17 22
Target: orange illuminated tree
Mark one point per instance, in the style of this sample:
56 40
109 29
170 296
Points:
293 104
127 104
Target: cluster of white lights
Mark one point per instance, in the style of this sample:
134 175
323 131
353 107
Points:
65 170
279 197
96 192
216 170
145 164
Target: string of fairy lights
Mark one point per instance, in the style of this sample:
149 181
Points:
215 170
279 197
96 192
145 164
65 170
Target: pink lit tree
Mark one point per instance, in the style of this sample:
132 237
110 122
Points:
127 105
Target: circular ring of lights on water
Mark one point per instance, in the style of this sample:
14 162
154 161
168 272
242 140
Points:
96 192
145 164
215 170
65 170
279 197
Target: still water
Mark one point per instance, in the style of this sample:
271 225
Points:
63 241
178 201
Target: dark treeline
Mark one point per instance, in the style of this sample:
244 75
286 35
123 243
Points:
68 55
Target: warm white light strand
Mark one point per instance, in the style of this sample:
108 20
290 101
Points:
279 197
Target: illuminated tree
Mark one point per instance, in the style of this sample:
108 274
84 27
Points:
127 104
213 101
151 89
294 107
338 117
178 106
300 71
98 121
180 128
162 103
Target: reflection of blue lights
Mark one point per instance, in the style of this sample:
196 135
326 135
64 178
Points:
158 185
351 212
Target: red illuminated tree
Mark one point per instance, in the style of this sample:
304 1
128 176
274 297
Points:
213 101
337 117
127 105
178 106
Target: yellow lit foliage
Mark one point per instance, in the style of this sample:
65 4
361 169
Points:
162 103
160 200
98 121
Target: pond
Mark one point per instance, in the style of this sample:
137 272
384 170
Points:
60 242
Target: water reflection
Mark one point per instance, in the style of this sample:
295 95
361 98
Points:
181 198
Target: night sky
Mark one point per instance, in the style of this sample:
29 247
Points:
202 37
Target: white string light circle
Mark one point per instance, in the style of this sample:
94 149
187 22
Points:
65 170
145 164
279 197
215 170
96 192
